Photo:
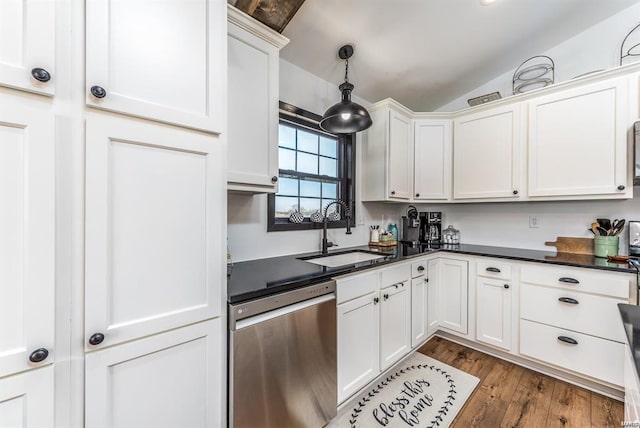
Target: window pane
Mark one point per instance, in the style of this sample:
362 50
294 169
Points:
310 188
288 186
329 190
328 147
287 159
309 205
307 142
328 167
287 136
285 206
307 163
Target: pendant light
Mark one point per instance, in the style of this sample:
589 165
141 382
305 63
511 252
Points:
345 117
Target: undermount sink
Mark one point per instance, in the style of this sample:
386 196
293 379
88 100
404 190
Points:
343 258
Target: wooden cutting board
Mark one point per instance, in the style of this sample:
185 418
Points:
566 244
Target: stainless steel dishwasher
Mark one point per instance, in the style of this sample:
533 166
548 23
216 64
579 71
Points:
282 359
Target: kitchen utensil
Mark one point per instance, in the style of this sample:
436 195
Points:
594 228
605 223
617 227
572 245
603 231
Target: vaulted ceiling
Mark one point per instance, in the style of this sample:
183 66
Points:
425 53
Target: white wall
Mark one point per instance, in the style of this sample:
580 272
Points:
507 224
597 48
247 215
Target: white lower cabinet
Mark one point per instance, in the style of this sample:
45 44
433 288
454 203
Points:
27 400
493 312
419 310
395 323
453 294
588 355
631 388
358 343
170 379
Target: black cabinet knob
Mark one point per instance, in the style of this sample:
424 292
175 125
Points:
96 339
420 269
40 74
393 192
417 195
375 300
515 192
621 187
274 179
98 91
39 355
386 296
506 286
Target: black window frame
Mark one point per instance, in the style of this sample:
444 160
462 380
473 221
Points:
300 118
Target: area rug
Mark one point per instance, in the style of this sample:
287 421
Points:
418 392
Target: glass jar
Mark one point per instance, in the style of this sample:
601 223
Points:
451 235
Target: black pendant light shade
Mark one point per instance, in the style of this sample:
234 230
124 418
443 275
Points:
346 117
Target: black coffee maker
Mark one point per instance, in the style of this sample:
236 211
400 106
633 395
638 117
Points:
431 228
410 226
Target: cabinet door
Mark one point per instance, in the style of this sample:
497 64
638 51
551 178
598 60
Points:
181 368
358 344
493 312
27 231
136 51
253 75
578 141
453 292
27 43
154 230
432 160
486 154
399 173
433 309
419 307
395 323
26 399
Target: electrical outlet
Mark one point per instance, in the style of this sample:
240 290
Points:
360 221
534 222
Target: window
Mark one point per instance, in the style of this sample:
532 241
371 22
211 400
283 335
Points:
315 169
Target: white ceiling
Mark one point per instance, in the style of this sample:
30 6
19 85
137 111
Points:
425 53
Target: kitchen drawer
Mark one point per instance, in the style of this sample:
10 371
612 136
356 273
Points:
419 268
351 286
492 269
594 357
585 280
395 275
584 313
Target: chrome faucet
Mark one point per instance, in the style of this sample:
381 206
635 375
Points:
347 214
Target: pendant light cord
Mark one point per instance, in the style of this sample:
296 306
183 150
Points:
346 70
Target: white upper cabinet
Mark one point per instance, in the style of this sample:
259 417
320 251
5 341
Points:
432 159
162 60
153 229
27 231
578 141
27 45
387 154
253 56
486 153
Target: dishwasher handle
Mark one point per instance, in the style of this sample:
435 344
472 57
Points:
248 322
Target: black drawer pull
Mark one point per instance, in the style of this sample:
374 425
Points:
492 269
568 300
386 296
39 355
375 300
568 340
569 280
420 269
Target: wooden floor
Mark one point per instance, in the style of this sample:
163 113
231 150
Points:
512 396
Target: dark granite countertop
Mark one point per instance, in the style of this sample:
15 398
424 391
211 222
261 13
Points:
259 278
631 321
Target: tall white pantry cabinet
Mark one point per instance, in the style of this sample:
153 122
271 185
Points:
113 184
